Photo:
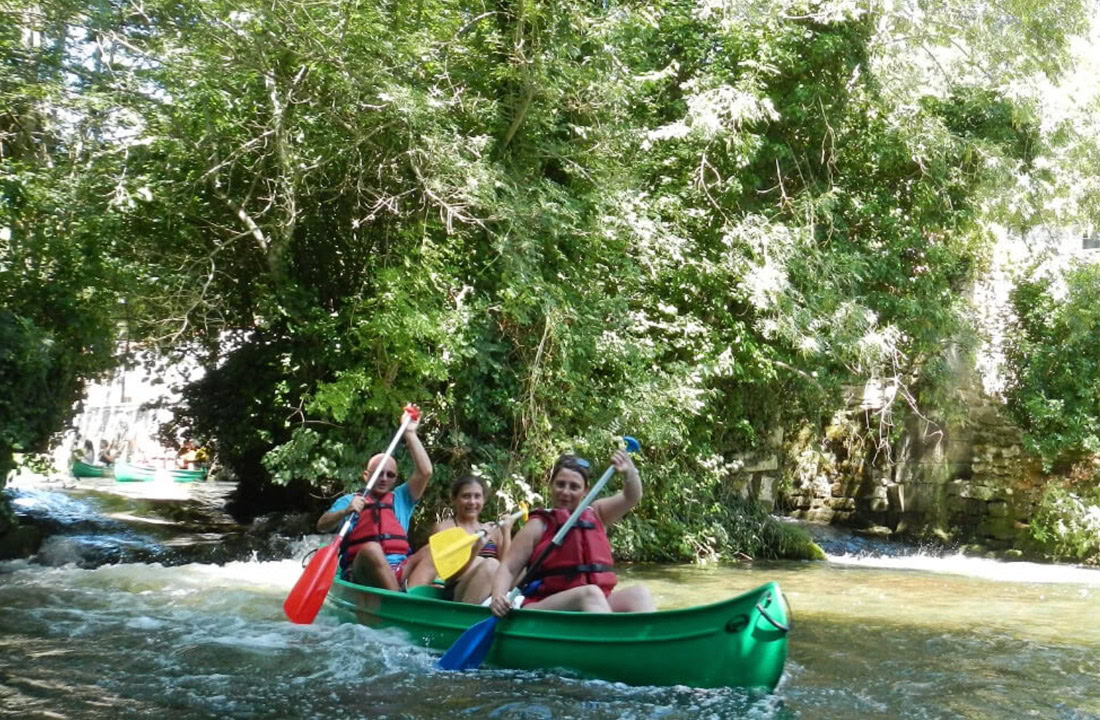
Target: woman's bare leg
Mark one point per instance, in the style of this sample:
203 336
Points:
477 582
586 598
632 599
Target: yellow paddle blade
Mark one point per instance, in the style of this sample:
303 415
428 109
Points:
451 550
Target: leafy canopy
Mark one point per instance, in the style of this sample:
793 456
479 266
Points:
548 222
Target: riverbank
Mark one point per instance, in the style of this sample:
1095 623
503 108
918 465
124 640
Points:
192 521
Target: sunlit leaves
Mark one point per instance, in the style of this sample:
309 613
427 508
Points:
1053 390
551 223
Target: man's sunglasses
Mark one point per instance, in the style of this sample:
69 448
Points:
388 474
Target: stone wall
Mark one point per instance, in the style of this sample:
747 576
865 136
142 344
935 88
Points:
972 484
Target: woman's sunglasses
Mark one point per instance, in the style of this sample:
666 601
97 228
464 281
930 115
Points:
567 460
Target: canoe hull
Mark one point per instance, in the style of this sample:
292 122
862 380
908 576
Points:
125 472
732 643
82 469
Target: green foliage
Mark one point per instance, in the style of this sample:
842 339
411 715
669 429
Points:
549 224
24 373
1052 374
59 233
1067 521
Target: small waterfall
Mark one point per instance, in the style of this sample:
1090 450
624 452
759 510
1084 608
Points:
841 542
78 533
103 523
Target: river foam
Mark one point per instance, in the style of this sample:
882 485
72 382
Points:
987 569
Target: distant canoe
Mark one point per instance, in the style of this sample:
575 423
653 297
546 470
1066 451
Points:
125 472
83 469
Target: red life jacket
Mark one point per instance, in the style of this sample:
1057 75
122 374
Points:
584 557
376 523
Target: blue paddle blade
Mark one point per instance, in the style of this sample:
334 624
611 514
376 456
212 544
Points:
632 445
469 651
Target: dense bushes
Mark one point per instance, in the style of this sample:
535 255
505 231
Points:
1052 367
549 223
1067 522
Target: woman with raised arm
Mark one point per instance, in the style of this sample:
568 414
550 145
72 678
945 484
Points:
578 575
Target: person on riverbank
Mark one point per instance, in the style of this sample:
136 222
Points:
474 582
579 575
376 549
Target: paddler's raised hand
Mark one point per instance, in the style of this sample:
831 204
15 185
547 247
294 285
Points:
623 464
414 422
612 509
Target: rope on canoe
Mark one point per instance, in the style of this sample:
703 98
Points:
775 623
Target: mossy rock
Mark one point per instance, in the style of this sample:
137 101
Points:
796 544
975 550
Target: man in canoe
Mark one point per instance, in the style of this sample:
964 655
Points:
579 575
376 548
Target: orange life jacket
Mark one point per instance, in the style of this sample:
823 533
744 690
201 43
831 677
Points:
584 557
377 523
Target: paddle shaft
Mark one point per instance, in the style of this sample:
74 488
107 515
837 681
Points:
377 471
511 518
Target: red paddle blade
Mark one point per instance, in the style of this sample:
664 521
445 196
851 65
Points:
308 594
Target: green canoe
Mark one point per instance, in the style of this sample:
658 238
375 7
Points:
740 642
83 469
125 472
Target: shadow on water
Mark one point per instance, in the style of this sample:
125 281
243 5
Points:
844 667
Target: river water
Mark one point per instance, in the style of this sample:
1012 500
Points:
878 634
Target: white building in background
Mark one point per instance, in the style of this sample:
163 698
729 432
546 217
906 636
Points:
119 411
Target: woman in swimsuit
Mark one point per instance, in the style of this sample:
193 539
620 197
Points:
474 582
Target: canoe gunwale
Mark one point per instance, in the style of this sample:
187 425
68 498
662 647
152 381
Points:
599 618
